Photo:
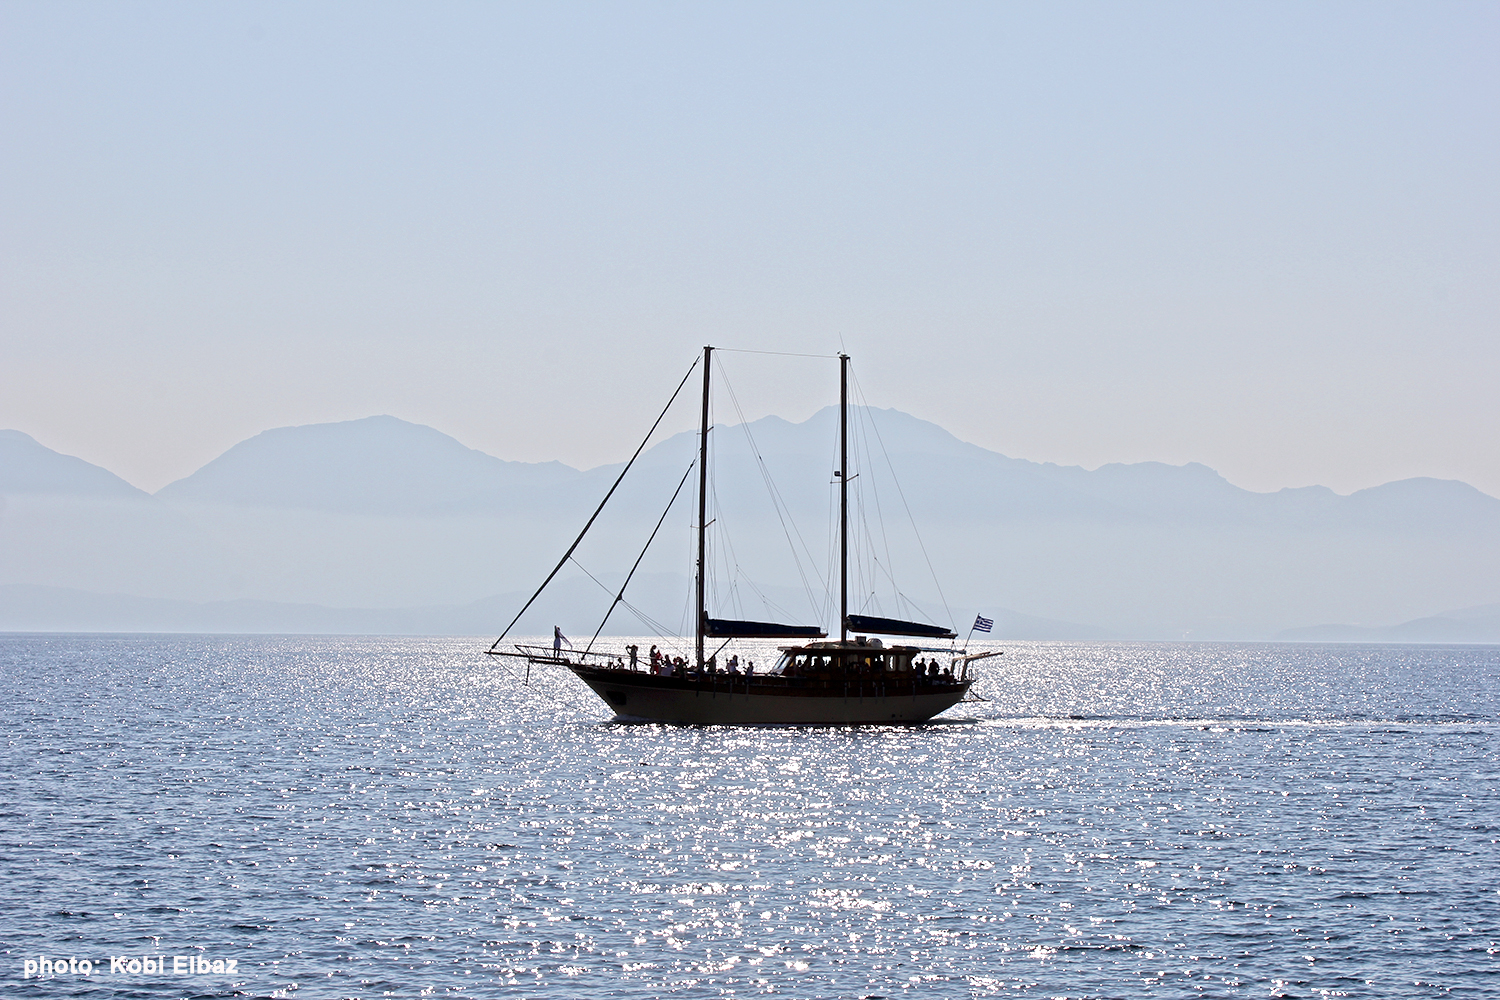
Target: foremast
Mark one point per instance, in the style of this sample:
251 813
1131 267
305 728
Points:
843 497
702 617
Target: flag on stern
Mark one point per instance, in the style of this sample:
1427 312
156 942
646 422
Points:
983 624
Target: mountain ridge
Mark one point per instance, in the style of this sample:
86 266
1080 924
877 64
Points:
29 467
373 465
380 512
1479 624
344 454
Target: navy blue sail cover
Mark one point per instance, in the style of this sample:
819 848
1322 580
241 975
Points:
724 628
891 626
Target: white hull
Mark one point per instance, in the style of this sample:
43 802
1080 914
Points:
642 697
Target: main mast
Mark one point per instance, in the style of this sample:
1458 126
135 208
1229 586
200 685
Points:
843 497
703 507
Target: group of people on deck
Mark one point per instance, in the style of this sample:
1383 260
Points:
663 665
867 665
933 670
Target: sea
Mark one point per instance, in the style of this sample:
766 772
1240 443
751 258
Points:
270 816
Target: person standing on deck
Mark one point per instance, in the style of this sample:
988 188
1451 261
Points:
557 640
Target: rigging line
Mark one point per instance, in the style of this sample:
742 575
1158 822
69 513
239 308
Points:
688 593
646 620
735 602
778 354
902 493
770 605
903 600
506 669
862 437
569 554
721 546
655 627
733 572
726 563
591 576
867 557
890 560
777 501
566 703
921 612
739 575
621 595
651 623
831 533
869 553
830 529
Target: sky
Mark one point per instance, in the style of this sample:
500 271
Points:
1261 236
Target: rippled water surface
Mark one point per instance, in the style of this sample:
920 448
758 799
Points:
373 816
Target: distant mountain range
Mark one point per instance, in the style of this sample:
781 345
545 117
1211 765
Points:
27 468
1481 624
386 526
379 465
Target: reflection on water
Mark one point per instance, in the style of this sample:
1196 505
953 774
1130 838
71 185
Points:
359 817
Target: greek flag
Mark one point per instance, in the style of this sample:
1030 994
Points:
983 624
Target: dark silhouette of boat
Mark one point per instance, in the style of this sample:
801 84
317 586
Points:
854 679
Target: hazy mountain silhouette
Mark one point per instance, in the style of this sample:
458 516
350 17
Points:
66 522
27 467
383 515
378 465
1479 624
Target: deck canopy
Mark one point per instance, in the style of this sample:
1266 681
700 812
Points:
724 628
891 626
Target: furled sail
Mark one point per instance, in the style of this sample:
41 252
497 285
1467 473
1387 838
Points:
723 628
891 626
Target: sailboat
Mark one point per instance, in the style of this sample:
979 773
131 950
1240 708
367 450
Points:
856 679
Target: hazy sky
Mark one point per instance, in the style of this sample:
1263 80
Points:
1260 236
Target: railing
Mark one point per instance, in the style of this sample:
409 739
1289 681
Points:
828 675
568 657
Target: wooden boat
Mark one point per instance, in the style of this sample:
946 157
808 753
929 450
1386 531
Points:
855 679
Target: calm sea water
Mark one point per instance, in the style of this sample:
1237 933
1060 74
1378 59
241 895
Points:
361 817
